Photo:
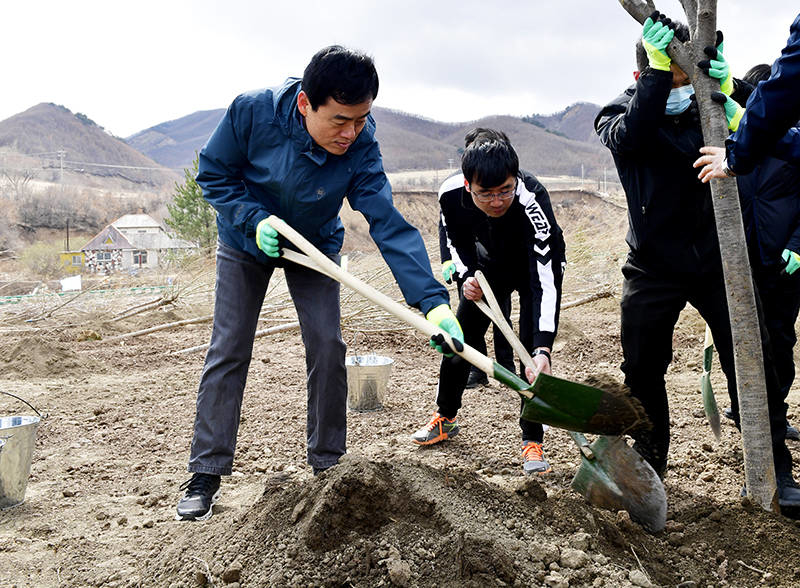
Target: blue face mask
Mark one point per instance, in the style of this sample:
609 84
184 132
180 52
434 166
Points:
679 99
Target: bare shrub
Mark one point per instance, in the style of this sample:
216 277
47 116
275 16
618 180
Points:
42 260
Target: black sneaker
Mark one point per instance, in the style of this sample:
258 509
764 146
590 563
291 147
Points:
727 413
792 433
477 378
788 496
202 491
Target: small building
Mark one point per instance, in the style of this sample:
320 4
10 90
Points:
133 241
72 261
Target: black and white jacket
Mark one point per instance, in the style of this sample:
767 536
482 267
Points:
522 250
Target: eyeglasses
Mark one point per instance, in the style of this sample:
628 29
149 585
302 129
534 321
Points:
487 197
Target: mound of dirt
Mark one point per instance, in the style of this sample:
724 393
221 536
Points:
35 356
375 523
372 523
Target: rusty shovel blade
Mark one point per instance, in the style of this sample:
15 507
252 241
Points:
613 476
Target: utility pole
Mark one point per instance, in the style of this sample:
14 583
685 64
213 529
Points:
61 154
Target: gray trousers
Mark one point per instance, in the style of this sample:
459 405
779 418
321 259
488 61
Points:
240 288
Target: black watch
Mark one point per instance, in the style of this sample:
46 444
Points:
542 352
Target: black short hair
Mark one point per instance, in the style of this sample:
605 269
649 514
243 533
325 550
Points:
347 76
757 73
488 158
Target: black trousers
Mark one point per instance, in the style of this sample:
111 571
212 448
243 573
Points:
454 371
651 303
780 300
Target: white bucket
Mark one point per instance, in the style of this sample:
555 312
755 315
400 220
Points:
17 439
367 380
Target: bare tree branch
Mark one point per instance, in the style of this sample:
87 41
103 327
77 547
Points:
690 8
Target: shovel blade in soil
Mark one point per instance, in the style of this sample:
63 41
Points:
710 404
618 478
579 407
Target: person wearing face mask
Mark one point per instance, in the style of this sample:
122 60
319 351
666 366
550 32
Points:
653 131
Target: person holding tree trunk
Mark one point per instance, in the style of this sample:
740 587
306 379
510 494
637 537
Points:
771 219
653 132
768 124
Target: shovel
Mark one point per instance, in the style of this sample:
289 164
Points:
611 475
587 409
709 402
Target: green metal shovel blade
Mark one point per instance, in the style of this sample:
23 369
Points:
581 407
615 477
709 402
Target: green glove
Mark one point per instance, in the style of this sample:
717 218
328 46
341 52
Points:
443 317
655 38
267 239
448 269
716 67
792 260
733 112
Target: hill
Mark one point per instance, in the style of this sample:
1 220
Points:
556 145
575 122
174 142
33 139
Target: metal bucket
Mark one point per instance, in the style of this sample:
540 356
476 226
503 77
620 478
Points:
367 379
17 439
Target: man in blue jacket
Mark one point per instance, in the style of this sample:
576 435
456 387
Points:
771 218
772 110
295 151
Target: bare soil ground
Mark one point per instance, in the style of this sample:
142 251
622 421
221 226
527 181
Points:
112 451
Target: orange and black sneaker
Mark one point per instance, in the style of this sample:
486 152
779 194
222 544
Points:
437 430
533 461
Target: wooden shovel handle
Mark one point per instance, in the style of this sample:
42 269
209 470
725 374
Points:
330 269
496 315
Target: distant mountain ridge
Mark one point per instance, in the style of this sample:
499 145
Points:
45 129
169 143
559 144
563 143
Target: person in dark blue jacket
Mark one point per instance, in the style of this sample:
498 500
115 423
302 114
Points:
296 151
771 218
768 126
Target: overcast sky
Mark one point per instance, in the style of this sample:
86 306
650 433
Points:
129 66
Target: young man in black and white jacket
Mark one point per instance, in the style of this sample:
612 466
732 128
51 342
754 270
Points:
499 220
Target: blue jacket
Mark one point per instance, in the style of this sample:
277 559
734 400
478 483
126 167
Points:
771 210
772 109
260 160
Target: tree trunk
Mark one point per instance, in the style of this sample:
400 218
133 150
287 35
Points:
748 357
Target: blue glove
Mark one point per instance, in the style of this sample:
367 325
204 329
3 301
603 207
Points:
443 317
792 260
448 269
716 67
267 239
733 112
656 35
